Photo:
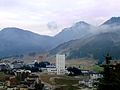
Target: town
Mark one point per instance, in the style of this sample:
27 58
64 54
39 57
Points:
43 75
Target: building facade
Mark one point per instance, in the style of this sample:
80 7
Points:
60 64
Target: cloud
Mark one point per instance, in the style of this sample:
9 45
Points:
52 25
31 13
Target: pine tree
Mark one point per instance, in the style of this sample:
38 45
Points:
111 76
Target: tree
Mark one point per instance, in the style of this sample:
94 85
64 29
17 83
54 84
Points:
111 76
39 86
74 71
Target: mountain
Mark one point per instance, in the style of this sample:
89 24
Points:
77 31
76 41
112 21
95 46
17 41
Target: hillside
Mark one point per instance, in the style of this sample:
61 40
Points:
77 41
17 41
95 46
77 31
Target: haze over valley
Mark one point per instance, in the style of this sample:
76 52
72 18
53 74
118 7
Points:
78 41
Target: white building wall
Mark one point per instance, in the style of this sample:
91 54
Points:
51 70
60 64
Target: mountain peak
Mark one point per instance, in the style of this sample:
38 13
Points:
17 31
18 41
12 30
112 21
81 23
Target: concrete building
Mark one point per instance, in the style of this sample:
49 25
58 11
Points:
51 69
60 64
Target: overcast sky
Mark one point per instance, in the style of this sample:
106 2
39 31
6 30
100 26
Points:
50 16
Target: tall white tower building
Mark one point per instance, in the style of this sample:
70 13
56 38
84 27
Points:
60 64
